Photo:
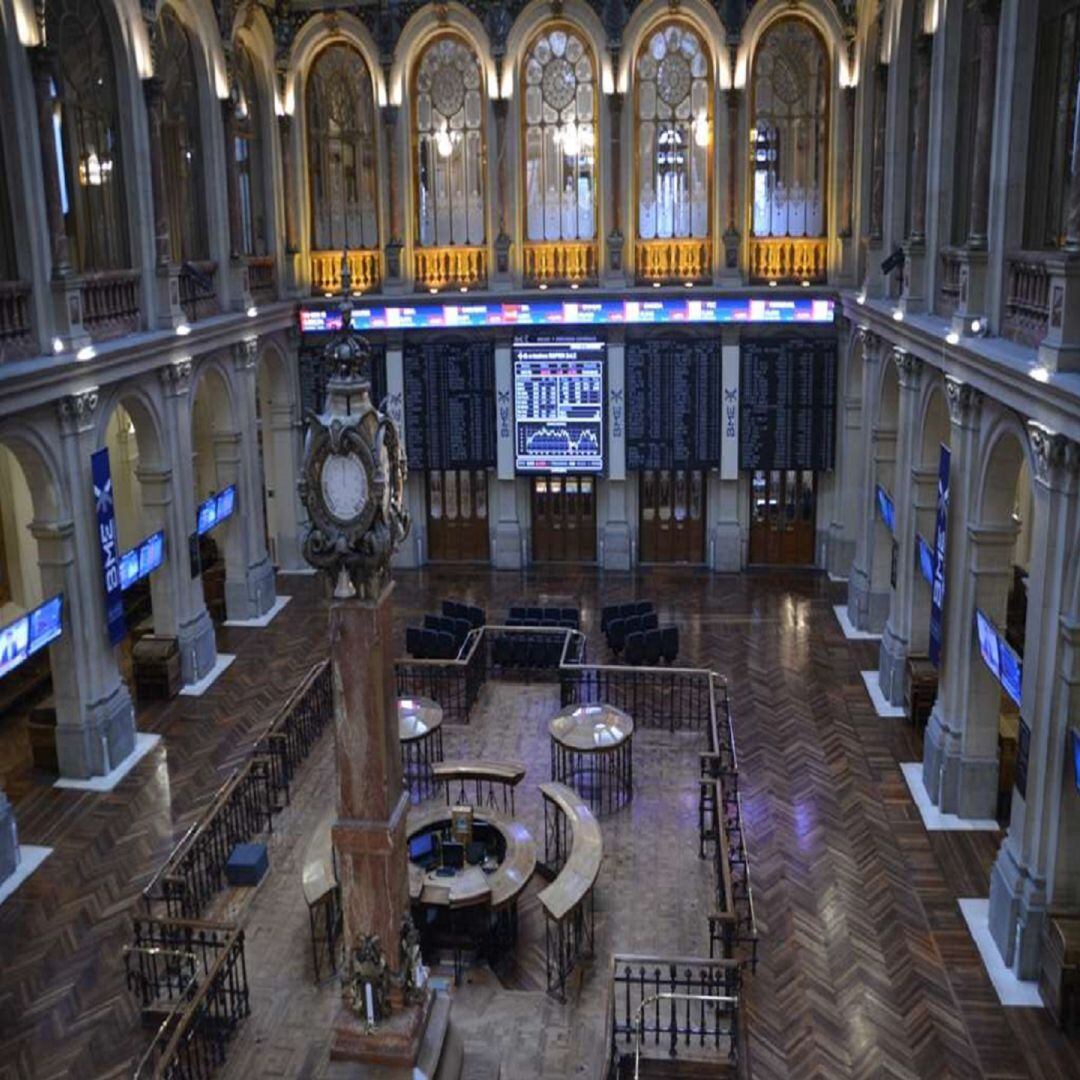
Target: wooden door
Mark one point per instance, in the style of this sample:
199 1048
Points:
672 515
564 519
458 515
782 513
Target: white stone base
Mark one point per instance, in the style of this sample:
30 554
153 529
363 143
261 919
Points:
849 630
933 818
264 619
1011 991
836 579
144 743
30 858
882 706
197 689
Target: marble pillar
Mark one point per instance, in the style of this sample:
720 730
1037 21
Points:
616 546
390 118
1019 879
615 239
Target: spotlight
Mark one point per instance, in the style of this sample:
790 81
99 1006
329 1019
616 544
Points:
542 286
183 329
1040 374
57 345
87 352
860 299
894 262
898 315
252 311
952 338
656 284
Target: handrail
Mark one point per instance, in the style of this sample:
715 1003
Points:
720 999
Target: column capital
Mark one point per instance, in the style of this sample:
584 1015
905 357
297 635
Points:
1057 457
873 345
245 354
965 401
176 376
908 368
76 411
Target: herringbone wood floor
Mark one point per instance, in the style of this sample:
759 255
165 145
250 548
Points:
867 968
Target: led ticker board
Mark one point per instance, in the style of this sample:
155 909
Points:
141 560
988 643
1011 669
30 632
213 511
559 406
659 312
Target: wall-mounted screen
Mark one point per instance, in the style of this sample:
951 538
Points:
141 560
226 501
669 310
30 632
559 406
1074 746
988 643
1011 669
925 554
213 511
886 509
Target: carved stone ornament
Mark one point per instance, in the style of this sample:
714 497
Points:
76 410
177 374
964 400
871 343
908 367
1054 454
354 473
413 973
367 985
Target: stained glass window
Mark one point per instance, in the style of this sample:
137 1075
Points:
559 102
449 105
674 134
341 151
789 137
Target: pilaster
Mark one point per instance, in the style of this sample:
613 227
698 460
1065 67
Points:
616 543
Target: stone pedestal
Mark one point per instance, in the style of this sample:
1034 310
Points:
68 312
395 1042
970 316
913 293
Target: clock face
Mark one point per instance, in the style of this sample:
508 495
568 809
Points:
344 485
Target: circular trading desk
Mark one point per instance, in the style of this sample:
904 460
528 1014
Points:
420 731
592 751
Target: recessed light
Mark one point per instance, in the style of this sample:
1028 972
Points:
183 329
952 337
772 284
328 295
860 299
574 285
87 352
464 288
57 345
688 284
543 286
252 311
656 284
806 284
1040 373
976 326
898 315
433 291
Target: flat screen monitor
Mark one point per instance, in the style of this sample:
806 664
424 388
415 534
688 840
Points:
1010 669
151 552
129 568
46 623
926 559
886 511
207 515
14 643
1074 746
559 406
421 847
988 643
226 502
453 855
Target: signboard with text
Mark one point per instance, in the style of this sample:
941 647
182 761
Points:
937 589
107 544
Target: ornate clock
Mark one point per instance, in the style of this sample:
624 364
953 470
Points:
354 473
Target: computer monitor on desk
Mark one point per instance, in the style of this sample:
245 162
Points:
423 850
453 855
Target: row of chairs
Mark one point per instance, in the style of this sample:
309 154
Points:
442 636
620 629
623 611
426 644
445 624
651 646
568 617
527 650
455 609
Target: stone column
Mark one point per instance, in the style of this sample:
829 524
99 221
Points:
369 835
239 284
283 429
175 502
95 727
868 602
896 637
877 155
733 99
502 239
507 553
249 574
390 116
167 294
1018 881
989 10
924 507
615 237
9 839
941 744
288 181
848 479
914 289
616 530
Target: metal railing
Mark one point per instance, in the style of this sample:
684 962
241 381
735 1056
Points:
262 277
197 287
16 324
664 1008
1027 297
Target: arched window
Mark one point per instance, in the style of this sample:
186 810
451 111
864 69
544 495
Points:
789 137
674 134
181 145
87 126
341 151
559 114
448 118
1055 128
249 156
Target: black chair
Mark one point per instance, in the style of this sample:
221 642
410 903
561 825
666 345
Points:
433 622
649 621
626 610
617 635
654 646
430 644
448 646
534 615
633 625
635 647
669 643
572 616
475 615
606 615
461 630
518 613
643 607
414 642
452 609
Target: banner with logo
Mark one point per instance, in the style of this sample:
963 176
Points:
110 555
937 589
729 443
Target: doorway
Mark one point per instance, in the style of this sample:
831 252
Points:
672 515
782 512
564 518
457 511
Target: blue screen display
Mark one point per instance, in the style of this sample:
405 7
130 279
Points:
46 623
926 559
1011 668
129 568
207 515
886 510
226 502
151 552
14 643
988 643
1074 738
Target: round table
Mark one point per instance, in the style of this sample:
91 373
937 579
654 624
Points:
420 731
592 751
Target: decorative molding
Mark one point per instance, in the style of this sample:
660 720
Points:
245 354
1057 457
872 344
964 400
176 375
908 368
76 411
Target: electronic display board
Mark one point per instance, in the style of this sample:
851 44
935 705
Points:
787 403
559 406
886 509
926 559
988 643
213 511
666 310
1011 669
25 635
141 560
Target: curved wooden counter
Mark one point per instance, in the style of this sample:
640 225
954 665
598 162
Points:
582 868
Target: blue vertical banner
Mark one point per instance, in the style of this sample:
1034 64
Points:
937 587
110 556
